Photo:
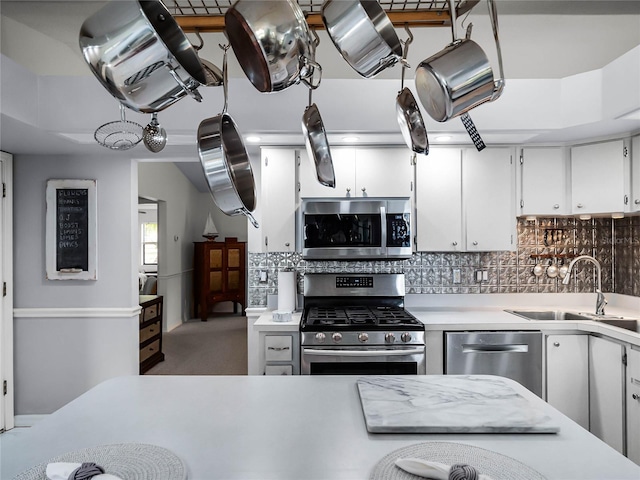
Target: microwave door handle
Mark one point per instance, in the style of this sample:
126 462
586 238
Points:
363 353
383 229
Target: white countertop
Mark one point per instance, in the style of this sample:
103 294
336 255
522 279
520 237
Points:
278 428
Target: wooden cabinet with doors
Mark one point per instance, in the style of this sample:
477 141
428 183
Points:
219 273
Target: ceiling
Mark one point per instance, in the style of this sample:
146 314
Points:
541 41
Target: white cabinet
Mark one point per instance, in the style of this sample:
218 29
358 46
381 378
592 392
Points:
567 378
606 387
543 181
598 176
439 200
278 199
635 175
633 404
465 200
361 172
280 353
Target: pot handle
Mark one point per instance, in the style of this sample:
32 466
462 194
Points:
498 85
248 214
308 79
193 93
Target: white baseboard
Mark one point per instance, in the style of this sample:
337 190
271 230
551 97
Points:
28 420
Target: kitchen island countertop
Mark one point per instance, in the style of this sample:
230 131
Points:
297 428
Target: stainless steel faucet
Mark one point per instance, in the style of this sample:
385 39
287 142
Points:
600 301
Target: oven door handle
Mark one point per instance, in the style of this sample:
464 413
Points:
363 353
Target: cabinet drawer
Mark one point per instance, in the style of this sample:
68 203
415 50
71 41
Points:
149 312
149 350
278 348
150 331
278 370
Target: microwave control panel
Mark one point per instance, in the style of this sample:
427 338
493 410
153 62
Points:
398 230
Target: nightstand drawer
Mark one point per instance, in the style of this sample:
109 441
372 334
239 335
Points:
149 350
278 348
150 312
150 331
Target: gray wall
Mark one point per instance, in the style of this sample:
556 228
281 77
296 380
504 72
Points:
59 354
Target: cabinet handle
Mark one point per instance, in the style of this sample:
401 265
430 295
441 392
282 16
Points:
635 396
580 205
278 349
455 244
364 189
556 206
637 201
556 344
475 243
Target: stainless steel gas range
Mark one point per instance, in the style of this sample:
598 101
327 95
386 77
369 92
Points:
355 324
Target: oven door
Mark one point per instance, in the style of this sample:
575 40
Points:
357 360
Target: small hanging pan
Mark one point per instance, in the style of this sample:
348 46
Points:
315 135
225 162
410 119
212 74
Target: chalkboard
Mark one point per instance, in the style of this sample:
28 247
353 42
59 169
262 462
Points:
71 230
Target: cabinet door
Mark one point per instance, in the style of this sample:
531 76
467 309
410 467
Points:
633 405
635 174
384 172
543 176
279 199
344 168
597 178
606 384
568 376
234 264
488 181
439 200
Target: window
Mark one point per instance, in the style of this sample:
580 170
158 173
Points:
149 238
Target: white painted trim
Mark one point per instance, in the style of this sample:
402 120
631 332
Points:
76 312
177 274
29 420
6 317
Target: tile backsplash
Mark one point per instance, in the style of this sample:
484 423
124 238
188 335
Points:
615 243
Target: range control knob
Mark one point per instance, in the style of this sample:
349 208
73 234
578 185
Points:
363 337
405 337
336 337
320 337
389 338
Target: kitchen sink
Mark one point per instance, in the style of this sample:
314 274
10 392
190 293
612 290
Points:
549 315
616 321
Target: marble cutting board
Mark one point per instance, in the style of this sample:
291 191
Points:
448 404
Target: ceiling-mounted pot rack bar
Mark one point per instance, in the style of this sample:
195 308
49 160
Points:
424 14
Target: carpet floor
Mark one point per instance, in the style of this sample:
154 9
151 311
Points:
215 347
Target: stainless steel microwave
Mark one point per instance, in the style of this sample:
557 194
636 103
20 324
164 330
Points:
355 228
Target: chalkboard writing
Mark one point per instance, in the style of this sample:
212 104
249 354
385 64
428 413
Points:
72 229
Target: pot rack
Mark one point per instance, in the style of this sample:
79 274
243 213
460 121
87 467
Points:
208 15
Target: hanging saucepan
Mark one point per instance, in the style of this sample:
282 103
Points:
315 136
225 161
410 119
271 41
212 74
459 78
141 55
363 34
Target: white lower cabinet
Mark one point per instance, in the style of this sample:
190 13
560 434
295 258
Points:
568 376
280 353
606 387
633 404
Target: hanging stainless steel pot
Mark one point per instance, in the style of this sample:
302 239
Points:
225 161
408 112
363 34
141 55
460 77
271 41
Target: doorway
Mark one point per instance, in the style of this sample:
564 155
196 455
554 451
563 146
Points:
148 252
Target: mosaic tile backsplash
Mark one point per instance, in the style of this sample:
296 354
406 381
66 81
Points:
545 241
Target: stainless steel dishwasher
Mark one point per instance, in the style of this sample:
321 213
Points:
515 355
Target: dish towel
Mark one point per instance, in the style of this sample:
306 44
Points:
439 471
77 471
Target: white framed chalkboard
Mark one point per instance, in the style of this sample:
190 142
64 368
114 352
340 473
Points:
71 224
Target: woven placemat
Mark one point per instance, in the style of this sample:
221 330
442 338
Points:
495 465
129 461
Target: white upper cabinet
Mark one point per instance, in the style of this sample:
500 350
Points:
598 175
465 200
278 199
488 199
361 172
543 181
439 200
344 167
384 172
635 175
